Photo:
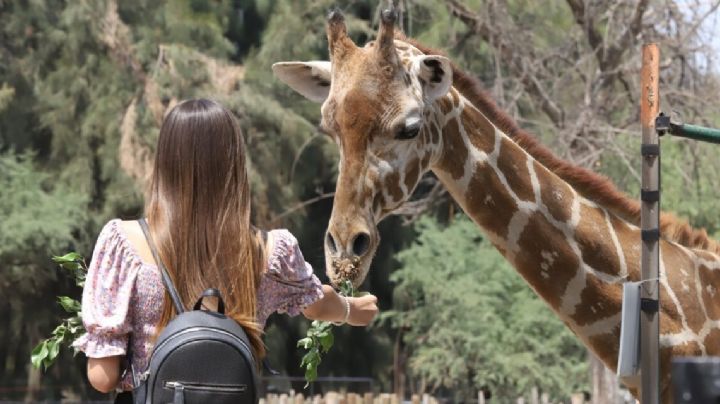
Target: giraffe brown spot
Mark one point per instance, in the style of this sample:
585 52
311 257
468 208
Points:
629 240
599 300
596 244
455 97
690 348
411 176
712 342
392 184
555 194
512 162
488 202
357 112
446 105
454 152
480 131
606 347
680 274
710 293
542 243
670 319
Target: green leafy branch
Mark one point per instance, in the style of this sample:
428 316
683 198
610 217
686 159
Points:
45 353
319 340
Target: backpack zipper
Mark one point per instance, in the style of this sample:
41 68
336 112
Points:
191 329
204 387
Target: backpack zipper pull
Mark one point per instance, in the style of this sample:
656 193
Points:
179 396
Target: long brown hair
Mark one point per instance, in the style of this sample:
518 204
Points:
198 209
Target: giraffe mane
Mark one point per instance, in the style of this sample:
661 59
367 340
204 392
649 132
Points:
591 185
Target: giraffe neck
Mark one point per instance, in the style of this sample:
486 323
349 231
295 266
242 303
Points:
569 249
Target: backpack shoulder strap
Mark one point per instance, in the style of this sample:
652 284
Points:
165 276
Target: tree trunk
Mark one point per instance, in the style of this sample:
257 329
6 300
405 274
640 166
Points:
399 365
33 374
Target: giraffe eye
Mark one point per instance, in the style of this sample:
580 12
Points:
408 132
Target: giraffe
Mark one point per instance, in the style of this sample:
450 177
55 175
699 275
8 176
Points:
397 109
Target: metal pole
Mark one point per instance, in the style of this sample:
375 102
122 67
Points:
649 221
695 132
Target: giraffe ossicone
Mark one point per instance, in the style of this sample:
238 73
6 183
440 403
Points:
396 110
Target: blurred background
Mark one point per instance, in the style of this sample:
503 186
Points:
84 85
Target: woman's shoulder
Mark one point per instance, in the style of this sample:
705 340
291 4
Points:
124 237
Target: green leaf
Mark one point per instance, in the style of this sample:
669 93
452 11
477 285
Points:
59 331
75 321
69 257
346 288
327 341
69 304
38 354
304 343
53 351
310 375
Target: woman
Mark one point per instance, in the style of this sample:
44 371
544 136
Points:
198 208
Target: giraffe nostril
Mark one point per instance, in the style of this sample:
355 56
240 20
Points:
330 241
361 244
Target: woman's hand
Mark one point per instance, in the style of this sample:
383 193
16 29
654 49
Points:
363 310
332 308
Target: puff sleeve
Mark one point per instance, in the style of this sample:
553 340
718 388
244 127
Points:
107 295
289 285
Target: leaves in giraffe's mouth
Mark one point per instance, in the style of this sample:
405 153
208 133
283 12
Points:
346 269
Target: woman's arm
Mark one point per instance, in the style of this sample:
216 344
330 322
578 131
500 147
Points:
104 373
332 308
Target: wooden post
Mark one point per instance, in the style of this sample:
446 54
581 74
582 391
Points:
331 397
649 222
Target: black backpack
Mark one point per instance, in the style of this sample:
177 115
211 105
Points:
200 357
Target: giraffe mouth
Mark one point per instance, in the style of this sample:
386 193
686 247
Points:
345 269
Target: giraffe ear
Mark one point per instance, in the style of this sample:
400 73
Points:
310 79
435 75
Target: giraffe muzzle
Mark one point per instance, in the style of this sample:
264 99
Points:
348 260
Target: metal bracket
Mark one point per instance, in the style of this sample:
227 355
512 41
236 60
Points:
650 234
662 124
650 306
649 196
650 150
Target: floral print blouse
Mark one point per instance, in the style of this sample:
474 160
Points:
123 295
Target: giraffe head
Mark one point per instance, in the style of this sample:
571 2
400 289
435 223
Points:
376 106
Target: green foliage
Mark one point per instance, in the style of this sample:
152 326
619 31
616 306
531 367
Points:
6 96
319 340
469 320
45 353
35 212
